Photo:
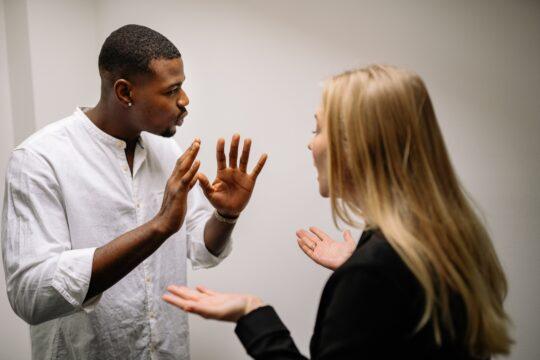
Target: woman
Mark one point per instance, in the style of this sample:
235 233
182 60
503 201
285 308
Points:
424 281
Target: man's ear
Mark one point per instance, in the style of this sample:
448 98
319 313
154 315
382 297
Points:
122 90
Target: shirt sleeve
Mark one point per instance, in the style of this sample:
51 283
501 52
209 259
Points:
199 211
45 277
360 316
264 336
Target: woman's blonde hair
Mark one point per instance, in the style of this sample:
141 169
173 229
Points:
388 164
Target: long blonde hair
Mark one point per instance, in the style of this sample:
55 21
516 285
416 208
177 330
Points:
388 164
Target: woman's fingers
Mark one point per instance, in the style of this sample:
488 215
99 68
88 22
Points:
186 305
321 235
312 240
205 290
185 292
305 248
348 237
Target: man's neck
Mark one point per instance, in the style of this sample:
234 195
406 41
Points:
112 122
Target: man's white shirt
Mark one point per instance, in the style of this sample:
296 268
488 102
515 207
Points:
69 190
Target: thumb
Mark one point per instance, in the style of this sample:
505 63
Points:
205 184
348 237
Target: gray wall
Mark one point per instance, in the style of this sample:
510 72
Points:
255 68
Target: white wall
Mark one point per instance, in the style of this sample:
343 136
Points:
14 340
255 68
63 50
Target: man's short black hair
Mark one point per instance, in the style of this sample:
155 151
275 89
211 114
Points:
128 51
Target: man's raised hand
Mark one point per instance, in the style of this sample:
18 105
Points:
231 190
184 176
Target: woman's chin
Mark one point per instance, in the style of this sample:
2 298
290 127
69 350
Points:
323 190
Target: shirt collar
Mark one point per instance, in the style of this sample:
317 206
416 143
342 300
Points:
100 134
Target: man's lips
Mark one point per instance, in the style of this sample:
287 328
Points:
180 118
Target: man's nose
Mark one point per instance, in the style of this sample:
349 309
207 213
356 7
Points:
183 100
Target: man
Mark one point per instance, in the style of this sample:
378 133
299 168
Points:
101 212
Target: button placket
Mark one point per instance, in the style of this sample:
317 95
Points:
137 201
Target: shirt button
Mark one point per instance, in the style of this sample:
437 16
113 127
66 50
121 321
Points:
138 205
125 168
120 144
147 279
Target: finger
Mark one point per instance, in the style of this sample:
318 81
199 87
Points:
220 154
260 164
205 184
186 160
320 234
307 240
188 177
245 155
184 292
193 182
304 234
305 249
183 304
206 290
187 151
233 151
348 237
176 301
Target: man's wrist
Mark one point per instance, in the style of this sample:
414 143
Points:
226 218
158 230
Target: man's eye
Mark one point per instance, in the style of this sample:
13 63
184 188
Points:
173 91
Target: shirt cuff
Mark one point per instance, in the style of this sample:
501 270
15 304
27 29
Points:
258 324
200 256
72 278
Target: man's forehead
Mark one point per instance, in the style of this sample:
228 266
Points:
167 70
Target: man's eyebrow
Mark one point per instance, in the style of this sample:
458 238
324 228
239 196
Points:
177 83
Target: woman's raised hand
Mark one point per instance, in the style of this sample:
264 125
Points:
322 249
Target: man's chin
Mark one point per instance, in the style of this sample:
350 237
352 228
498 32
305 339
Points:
169 132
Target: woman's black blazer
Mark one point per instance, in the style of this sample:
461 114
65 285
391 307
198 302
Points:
369 309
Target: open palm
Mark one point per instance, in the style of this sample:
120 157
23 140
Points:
211 304
230 192
322 249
